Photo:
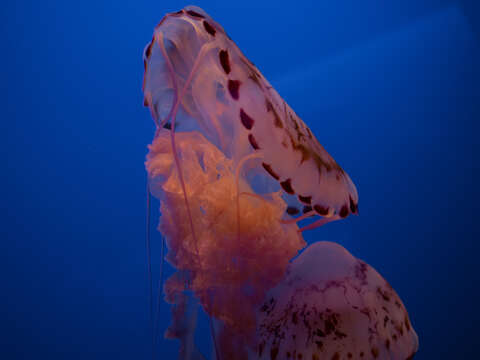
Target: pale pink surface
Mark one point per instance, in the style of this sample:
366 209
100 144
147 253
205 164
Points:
333 306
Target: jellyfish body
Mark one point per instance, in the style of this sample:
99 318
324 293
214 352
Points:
333 306
228 160
197 77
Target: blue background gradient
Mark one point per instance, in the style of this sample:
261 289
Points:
390 88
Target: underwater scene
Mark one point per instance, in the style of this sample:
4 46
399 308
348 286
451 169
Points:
237 181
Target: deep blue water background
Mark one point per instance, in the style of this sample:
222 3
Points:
391 89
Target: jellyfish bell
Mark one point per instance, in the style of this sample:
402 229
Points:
333 306
196 76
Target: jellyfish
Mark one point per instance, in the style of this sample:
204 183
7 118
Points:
196 78
332 305
236 171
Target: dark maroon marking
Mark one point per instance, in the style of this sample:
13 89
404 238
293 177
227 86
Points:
233 88
178 12
292 210
145 102
321 210
287 186
247 121
276 121
309 133
253 142
148 51
407 323
294 122
269 105
269 169
224 61
260 349
307 209
353 207
305 199
273 353
343 211
210 29
195 14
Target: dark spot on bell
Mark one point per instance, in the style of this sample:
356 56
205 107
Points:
383 294
387 343
353 207
292 210
407 323
148 50
260 349
336 356
277 122
269 105
209 28
349 355
195 14
305 199
269 169
224 61
295 318
307 209
343 211
253 142
273 353
309 133
247 121
233 88
329 326
287 186
321 210
375 352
